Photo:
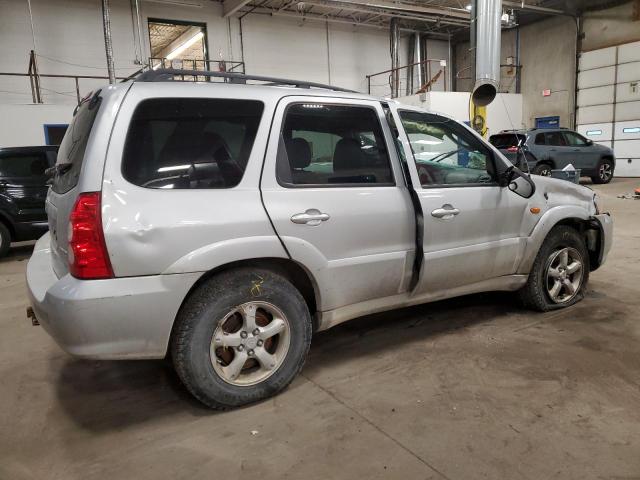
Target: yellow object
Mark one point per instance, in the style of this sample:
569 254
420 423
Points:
535 210
478 118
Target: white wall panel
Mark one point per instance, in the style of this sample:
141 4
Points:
632 133
597 77
629 72
626 92
598 58
627 111
595 96
627 148
629 52
597 114
598 132
627 168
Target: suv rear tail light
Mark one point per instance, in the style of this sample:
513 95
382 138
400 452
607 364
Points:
88 256
512 149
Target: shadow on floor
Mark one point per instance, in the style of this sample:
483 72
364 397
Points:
18 252
105 396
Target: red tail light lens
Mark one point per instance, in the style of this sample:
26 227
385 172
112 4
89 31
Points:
88 256
512 149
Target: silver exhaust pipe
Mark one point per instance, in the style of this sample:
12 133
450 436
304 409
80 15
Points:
488 38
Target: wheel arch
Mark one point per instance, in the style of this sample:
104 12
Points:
571 216
297 274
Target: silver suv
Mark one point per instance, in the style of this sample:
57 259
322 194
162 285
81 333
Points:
224 223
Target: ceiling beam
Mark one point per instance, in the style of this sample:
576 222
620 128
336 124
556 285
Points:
413 8
355 6
533 8
229 7
340 20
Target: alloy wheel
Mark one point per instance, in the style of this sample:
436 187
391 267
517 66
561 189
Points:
250 343
564 275
605 171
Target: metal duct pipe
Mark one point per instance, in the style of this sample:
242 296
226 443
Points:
419 57
106 25
488 37
395 58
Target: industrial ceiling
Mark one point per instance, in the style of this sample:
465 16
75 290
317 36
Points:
437 18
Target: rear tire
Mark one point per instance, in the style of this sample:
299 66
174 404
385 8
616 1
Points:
542 169
5 240
605 172
551 268
223 346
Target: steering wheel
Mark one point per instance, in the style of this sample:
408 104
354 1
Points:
425 176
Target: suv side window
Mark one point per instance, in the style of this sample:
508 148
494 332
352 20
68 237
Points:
575 140
190 143
23 165
332 145
556 139
540 140
445 152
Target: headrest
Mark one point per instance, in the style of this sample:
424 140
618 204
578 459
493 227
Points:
347 155
299 152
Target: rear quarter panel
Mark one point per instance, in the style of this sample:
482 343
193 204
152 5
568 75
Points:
153 231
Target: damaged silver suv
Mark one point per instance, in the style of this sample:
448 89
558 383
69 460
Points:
224 223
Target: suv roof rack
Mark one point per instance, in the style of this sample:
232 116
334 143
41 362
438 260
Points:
169 74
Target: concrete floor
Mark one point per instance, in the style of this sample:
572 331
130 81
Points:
462 389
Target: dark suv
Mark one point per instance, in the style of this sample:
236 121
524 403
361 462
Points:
550 149
23 190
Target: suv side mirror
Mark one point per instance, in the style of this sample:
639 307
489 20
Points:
589 142
518 182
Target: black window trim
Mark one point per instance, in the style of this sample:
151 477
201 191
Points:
284 184
494 183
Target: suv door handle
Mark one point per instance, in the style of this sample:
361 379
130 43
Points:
311 217
446 212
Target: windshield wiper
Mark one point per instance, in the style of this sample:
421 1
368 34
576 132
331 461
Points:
58 169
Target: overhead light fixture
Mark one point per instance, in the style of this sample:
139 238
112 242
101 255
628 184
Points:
174 53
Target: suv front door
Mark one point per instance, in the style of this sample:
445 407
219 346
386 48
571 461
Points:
472 226
580 153
333 189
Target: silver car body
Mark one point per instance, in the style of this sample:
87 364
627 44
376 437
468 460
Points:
161 242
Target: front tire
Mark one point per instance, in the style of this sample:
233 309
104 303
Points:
560 271
5 240
242 336
605 172
542 169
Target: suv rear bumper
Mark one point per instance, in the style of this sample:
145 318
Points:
116 318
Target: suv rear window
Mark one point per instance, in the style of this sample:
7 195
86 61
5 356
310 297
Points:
74 144
189 143
506 140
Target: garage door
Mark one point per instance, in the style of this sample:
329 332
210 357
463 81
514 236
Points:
609 102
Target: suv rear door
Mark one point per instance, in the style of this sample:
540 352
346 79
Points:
333 188
64 184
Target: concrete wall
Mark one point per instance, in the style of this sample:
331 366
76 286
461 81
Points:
614 26
69 40
23 125
547 52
